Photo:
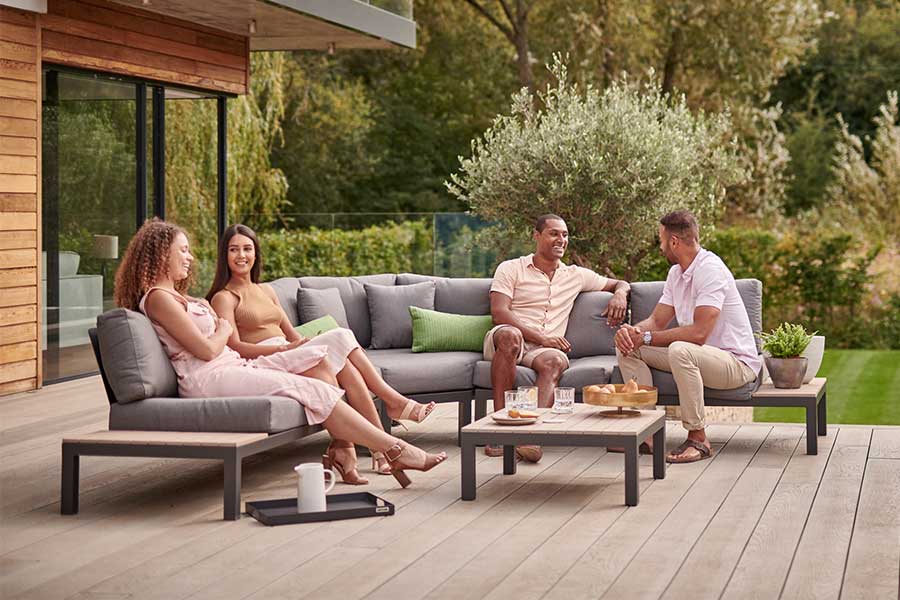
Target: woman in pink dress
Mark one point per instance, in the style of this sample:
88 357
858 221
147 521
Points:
261 328
153 278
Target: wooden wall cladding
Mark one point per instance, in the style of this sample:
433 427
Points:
103 36
20 42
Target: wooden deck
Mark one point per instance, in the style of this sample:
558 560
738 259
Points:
760 520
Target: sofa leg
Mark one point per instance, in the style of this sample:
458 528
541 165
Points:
232 495
480 408
812 428
69 488
465 417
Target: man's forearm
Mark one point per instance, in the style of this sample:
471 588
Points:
622 287
665 337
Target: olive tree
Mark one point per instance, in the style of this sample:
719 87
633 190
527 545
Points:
610 163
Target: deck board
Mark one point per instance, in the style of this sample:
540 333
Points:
761 519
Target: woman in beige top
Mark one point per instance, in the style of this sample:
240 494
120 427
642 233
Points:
262 328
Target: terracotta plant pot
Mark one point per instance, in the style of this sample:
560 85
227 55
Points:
787 373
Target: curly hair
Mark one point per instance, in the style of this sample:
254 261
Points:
146 258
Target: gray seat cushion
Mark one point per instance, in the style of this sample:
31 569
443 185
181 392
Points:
524 375
424 372
259 414
353 294
459 296
134 361
589 371
581 372
587 330
666 387
389 312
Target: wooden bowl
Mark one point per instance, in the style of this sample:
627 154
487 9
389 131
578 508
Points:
620 398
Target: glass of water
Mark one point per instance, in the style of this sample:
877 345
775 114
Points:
564 400
511 400
528 397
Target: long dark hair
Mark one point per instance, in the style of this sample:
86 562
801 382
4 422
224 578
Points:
223 273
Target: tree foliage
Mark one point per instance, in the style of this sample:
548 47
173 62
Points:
608 162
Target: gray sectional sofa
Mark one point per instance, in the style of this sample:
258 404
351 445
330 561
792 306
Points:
143 390
147 418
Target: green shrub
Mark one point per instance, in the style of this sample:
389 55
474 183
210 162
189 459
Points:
391 248
610 162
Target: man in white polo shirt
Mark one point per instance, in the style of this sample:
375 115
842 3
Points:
712 346
531 299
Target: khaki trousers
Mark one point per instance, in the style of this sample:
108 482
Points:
692 366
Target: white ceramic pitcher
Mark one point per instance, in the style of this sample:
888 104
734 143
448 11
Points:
311 488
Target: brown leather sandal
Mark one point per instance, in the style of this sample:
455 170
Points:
675 456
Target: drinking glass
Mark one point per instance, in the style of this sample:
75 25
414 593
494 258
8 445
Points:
528 397
512 400
564 400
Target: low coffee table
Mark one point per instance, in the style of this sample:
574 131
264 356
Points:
585 427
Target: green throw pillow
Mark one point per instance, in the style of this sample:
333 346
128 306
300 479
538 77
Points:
434 331
313 328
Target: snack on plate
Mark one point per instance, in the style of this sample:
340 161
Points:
593 388
630 387
513 413
610 388
527 414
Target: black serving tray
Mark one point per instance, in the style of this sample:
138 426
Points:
337 507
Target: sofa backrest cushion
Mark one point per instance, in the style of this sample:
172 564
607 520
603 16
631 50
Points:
286 291
587 330
135 362
315 304
353 294
389 308
459 296
646 294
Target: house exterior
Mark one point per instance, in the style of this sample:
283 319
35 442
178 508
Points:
87 82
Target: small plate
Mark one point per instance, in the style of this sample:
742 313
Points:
502 418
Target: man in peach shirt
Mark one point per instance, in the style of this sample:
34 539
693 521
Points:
531 299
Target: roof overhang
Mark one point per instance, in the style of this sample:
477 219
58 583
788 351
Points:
294 24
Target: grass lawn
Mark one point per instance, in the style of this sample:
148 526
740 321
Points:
863 388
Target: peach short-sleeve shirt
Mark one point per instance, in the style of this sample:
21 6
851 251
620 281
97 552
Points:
537 300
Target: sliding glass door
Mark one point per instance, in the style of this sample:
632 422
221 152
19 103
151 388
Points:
88 212
104 153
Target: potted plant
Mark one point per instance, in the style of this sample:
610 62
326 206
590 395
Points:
783 347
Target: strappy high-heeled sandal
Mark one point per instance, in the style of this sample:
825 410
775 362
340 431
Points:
422 412
380 463
345 467
403 456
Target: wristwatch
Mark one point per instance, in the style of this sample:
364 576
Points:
648 337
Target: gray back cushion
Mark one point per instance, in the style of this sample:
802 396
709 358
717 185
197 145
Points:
587 330
460 296
353 294
389 307
645 295
286 291
133 358
314 304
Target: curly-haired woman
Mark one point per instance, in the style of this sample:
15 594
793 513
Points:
153 278
261 328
